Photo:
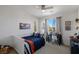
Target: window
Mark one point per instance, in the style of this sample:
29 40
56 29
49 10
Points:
51 23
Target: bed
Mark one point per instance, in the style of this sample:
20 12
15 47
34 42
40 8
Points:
35 42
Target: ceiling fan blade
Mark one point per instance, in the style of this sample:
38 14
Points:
44 7
49 7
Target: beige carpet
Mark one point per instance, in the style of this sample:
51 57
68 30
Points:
50 48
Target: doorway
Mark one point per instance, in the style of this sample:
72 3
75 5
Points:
51 30
51 25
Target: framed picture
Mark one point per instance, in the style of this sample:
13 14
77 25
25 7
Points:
24 25
67 25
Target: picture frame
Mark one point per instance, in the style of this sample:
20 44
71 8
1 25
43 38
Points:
24 25
67 25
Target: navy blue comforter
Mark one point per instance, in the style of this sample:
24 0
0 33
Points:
38 41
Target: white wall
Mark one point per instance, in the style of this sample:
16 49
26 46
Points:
42 21
10 17
66 34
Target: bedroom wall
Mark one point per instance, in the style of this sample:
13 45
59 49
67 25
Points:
10 17
42 21
66 34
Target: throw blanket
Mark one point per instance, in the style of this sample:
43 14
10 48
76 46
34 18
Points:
32 46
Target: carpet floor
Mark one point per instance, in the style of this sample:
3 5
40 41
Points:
50 48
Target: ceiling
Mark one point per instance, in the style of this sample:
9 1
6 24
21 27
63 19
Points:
36 11
56 10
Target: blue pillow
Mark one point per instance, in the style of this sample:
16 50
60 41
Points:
37 35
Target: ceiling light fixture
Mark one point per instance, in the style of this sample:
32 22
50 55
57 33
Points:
43 11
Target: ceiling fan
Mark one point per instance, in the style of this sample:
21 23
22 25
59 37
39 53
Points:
45 7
